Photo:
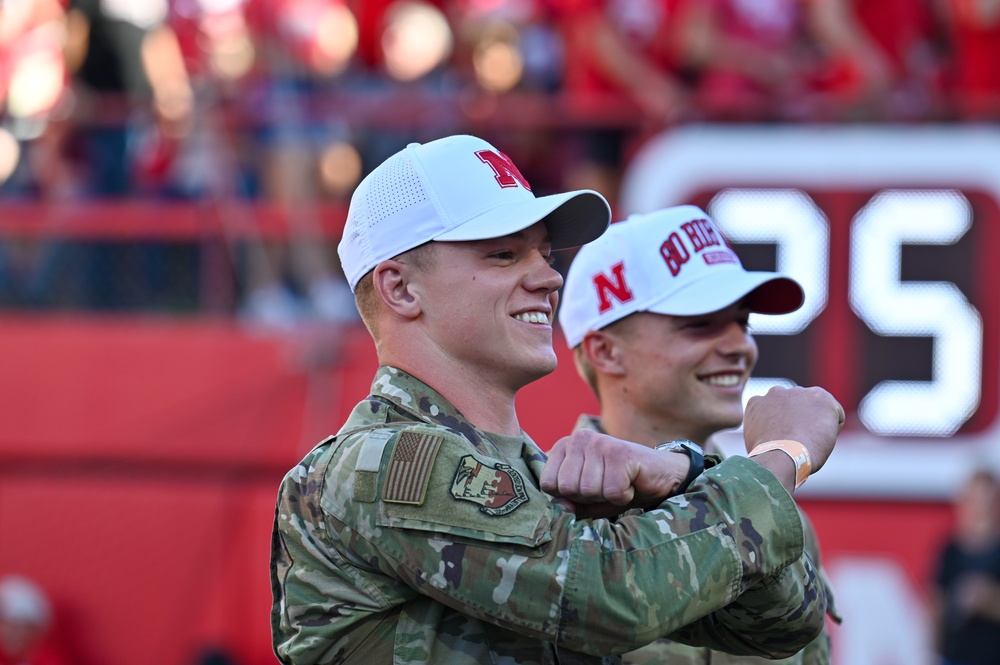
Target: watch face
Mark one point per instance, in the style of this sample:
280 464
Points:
679 445
690 444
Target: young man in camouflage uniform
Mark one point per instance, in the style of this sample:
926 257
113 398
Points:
420 532
657 312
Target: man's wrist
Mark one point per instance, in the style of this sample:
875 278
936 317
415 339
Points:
780 465
694 453
797 452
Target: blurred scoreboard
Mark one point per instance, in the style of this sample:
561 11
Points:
894 234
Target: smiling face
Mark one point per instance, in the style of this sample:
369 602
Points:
688 372
487 305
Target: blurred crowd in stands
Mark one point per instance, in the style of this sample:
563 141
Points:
289 102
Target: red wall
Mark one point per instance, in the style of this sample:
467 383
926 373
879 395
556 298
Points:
138 466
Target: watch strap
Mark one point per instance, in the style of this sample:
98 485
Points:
694 454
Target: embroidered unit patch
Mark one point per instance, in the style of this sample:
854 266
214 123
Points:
498 488
410 468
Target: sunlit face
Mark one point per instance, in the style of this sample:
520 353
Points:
978 507
689 371
488 305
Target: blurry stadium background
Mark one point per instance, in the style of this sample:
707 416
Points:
175 331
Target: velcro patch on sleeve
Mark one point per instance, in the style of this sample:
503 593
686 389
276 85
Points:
497 488
410 467
369 461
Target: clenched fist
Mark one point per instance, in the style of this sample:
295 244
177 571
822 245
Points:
603 476
810 416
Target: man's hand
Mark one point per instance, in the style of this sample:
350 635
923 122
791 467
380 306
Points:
603 476
978 595
810 416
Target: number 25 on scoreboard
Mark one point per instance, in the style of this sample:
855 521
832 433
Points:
877 294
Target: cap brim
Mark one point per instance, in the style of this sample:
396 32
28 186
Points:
572 219
765 293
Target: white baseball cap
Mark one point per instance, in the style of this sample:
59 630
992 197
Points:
674 261
452 189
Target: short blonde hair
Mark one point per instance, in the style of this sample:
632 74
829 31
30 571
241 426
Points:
583 365
367 301
365 296
585 369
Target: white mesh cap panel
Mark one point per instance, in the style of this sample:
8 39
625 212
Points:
390 189
393 188
356 229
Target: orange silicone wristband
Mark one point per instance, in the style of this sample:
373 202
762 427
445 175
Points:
798 452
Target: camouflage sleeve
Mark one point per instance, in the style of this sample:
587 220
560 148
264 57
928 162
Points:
664 650
475 535
769 620
812 547
775 620
751 636
818 652
738 645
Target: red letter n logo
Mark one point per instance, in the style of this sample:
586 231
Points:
612 286
504 170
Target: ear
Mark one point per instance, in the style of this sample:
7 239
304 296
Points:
392 284
604 352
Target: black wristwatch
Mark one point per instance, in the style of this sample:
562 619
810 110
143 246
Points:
692 450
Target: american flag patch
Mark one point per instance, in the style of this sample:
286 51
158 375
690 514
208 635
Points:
410 468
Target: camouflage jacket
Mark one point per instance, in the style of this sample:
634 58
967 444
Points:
665 650
414 537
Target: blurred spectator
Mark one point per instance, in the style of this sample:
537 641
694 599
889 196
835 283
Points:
215 655
967 611
33 94
407 47
974 35
219 51
619 50
134 103
508 46
306 51
130 75
33 138
407 39
779 59
26 624
310 153
911 36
